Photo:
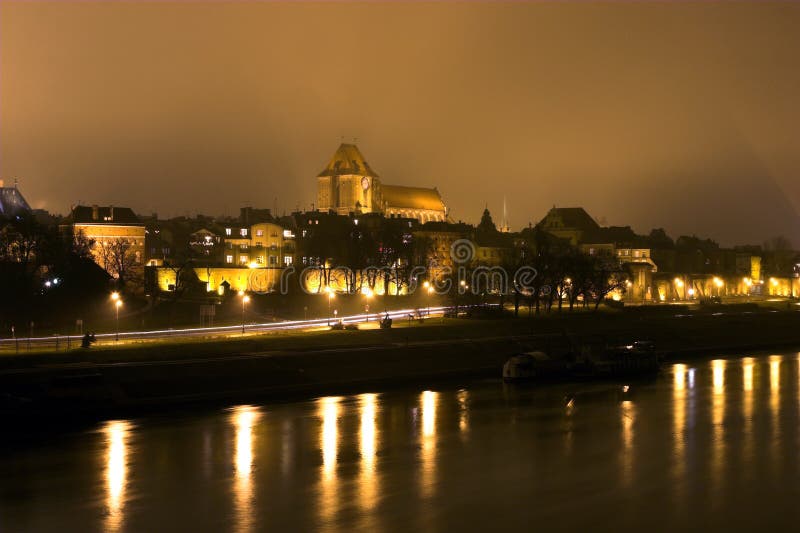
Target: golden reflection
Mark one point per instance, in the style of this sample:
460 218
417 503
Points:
747 410
243 418
679 421
627 413
775 399
286 447
329 442
747 366
368 440
463 411
718 417
117 433
429 400
774 375
718 369
680 376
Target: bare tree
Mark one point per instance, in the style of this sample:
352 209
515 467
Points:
118 260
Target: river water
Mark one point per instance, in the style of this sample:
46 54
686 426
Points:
709 444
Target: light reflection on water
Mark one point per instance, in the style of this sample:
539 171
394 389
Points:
679 424
718 428
329 444
429 401
368 442
243 418
116 433
705 436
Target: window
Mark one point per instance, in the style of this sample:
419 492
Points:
243 247
229 259
259 233
243 259
287 260
273 261
273 246
227 231
287 234
260 259
243 232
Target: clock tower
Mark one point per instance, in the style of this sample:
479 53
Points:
348 184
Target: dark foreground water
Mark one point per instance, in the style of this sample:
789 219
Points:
709 444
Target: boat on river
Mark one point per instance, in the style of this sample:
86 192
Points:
585 361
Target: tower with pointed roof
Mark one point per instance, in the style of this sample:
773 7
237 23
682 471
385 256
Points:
348 182
349 185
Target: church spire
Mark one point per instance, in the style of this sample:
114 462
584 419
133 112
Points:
504 227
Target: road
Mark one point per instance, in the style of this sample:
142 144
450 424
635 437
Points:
66 342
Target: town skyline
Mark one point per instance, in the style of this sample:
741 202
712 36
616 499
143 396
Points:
544 104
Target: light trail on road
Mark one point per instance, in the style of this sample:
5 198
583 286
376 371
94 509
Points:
233 331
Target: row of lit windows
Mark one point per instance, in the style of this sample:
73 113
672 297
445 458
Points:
273 260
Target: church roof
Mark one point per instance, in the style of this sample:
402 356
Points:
569 218
396 197
348 160
12 203
92 214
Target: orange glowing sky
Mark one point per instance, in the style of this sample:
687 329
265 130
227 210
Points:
682 116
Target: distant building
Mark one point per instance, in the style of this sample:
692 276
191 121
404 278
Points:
12 203
260 245
107 225
349 185
571 223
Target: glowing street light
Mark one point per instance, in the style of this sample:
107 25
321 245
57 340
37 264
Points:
719 284
429 289
367 292
245 300
680 285
115 297
330 297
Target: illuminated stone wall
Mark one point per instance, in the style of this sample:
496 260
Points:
239 279
109 233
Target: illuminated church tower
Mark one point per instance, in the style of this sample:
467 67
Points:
348 184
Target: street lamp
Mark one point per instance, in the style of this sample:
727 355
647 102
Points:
429 290
680 285
719 283
117 304
367 292
245 300
330 297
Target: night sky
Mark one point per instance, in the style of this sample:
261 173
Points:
682 116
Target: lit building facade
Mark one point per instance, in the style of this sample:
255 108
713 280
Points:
106 226
262 245
349 185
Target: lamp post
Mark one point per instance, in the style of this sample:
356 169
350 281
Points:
245 300
117 304
719 283
679 284
330 297
367 295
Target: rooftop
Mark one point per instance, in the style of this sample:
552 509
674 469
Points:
412 197
569 218
94 214
348 160
12 203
